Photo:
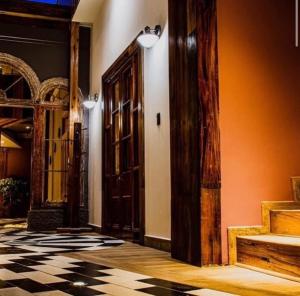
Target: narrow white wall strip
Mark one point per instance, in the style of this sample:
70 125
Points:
297 23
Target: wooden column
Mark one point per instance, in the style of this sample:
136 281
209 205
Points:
75 186
38 157
74 119
208 88
74 78
195 159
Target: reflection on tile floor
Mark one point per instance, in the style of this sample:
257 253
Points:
33 264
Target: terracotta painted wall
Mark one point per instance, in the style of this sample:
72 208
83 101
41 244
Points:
19 162
259 106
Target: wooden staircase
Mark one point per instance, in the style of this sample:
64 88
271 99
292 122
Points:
273 247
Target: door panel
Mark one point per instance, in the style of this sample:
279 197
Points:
123 212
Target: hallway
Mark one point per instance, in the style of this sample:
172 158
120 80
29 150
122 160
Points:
230 279
38 264
33 263
149 147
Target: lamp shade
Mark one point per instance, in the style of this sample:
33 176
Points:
91 101
89 104
149 37
147 40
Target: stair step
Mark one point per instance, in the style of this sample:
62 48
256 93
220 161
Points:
285 222
271 252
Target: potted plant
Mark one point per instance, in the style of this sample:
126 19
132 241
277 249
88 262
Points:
13 192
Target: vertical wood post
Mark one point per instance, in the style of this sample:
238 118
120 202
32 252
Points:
195 139
73 125
74 78
37 158
75 181
208 85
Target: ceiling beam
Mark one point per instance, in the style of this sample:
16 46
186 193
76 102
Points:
15 122
35 10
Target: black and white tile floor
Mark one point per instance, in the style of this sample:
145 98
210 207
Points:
34 264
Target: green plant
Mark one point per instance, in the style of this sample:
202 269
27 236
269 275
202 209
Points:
12 190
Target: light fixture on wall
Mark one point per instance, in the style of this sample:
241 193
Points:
149 36
91 101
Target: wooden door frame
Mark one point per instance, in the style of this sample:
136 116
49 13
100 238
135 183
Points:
132 49
195 132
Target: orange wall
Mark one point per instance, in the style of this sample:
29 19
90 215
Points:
259 107
19 161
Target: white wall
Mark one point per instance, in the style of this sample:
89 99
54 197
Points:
116 26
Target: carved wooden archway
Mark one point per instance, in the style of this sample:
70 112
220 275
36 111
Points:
52 83
40 103
24 70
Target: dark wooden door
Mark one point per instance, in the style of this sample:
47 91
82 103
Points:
123 202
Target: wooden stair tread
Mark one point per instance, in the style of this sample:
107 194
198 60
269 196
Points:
274 239
275 246
271 252
286 210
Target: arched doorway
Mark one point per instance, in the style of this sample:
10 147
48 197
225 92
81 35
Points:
18 90
49 105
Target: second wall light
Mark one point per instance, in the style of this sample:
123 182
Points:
149 36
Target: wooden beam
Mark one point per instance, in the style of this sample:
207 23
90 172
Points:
74 78
14 122
208 89
75 185
195 144
6 122
33 21
74 122
38 158
185 134
35 10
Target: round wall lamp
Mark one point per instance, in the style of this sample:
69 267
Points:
149 36
91 101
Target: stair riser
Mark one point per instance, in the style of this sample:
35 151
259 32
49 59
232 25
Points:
284 259
285 222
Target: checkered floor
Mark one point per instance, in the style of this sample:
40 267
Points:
34 264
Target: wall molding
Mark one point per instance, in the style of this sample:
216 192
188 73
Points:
96 228
163 244
17 39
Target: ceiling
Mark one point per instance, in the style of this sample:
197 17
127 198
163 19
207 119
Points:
16 124
87 11
53 2
40 9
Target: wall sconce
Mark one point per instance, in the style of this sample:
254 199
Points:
91 101
149 36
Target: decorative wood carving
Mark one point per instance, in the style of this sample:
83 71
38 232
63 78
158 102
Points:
51 84
39 104
24 70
